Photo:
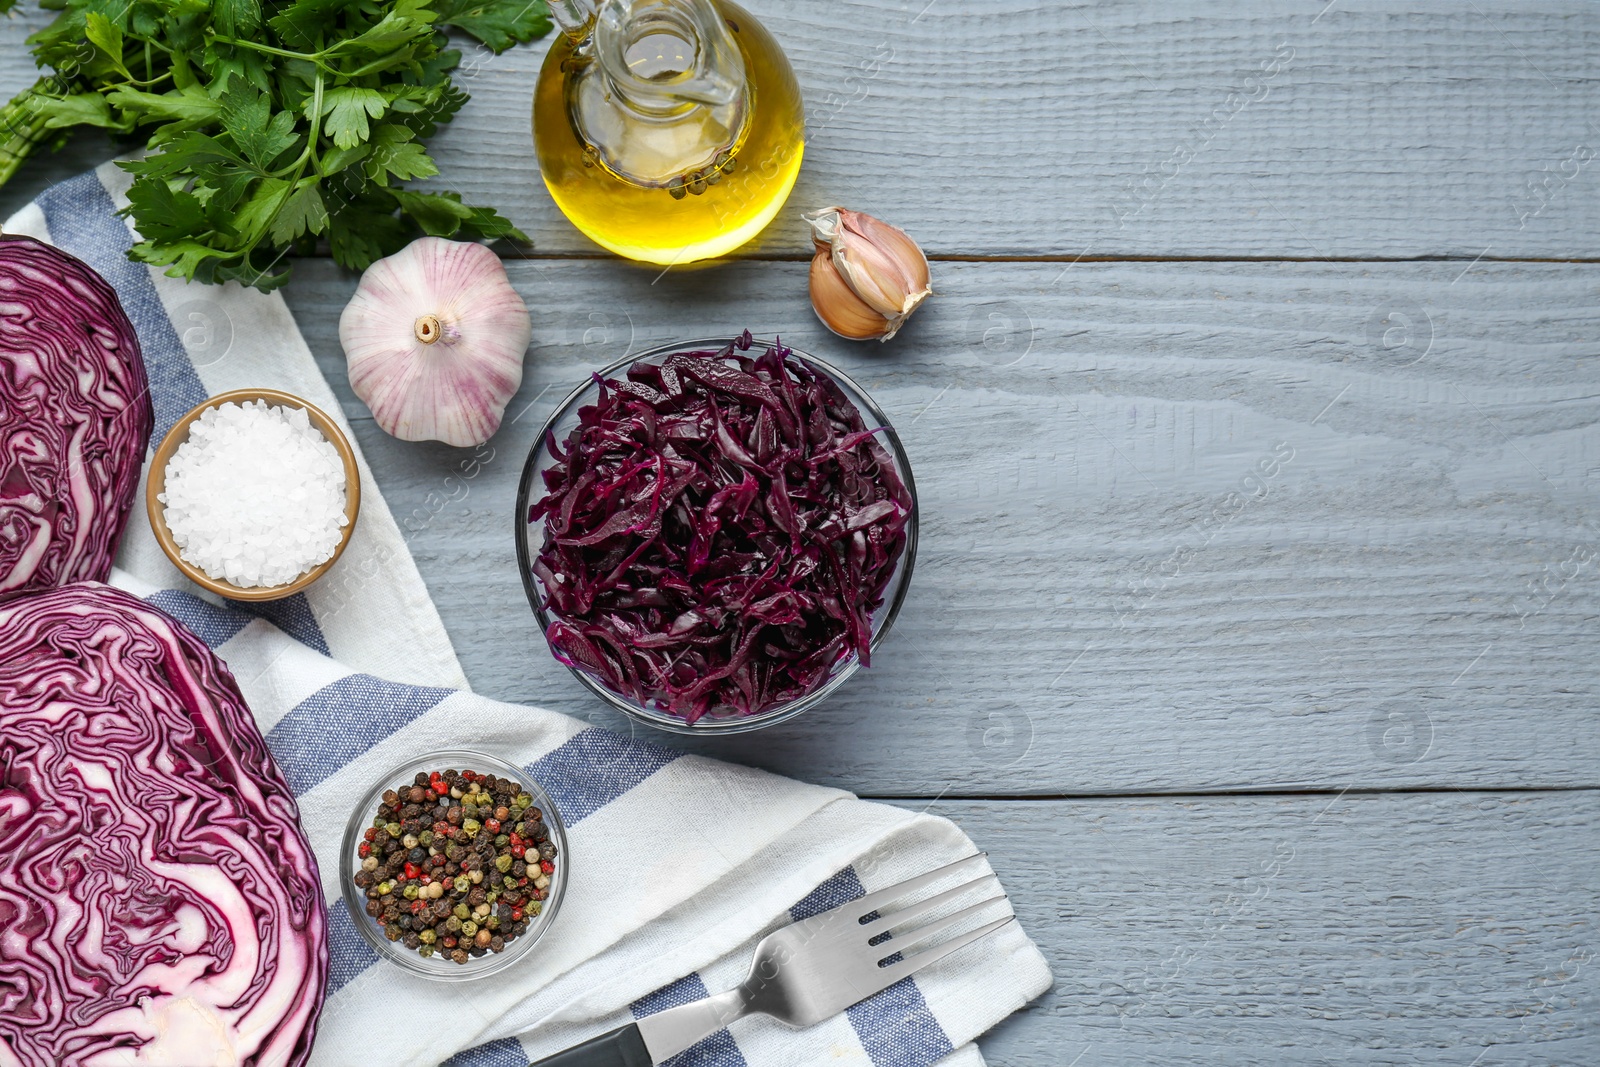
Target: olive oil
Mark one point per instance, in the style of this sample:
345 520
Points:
723 196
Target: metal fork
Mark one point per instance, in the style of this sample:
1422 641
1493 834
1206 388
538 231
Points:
804 973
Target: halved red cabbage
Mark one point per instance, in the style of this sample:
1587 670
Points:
719 529
159 903
75 418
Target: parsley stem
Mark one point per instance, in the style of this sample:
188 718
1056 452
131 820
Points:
255 46
300 168
22 127
143 84
316 121
310 150
383 62
314 58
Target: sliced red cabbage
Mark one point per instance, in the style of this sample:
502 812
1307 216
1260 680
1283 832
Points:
159 903
75 418
718 530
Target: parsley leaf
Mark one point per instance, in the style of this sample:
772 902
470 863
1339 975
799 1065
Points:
497 23
183 110
303 212
79 109
303 23
189 259
236 18
261 207
271 123
245 118
395 154
347 109
366 229
106 36
444 215
439 214
164 214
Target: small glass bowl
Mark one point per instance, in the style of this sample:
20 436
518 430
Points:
437 967
530 538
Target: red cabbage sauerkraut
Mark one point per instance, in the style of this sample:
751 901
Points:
159 903
718 530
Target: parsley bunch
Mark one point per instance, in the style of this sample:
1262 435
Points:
270 124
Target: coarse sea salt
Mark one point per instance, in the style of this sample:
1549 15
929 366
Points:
256 495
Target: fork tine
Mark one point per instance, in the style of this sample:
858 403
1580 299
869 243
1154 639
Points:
911 964
873 901
901 941
921 907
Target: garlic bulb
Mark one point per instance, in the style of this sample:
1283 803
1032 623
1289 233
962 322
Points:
867 276
434 337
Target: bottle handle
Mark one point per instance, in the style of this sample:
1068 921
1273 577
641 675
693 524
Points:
575 17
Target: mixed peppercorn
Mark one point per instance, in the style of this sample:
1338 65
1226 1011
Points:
456 863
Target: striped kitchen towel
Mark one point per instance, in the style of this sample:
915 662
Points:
200 340
678 864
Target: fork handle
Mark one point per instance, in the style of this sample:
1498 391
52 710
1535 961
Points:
672 1030
619 1048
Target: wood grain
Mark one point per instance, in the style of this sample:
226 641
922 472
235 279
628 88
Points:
1027 127
1220 527
1110 595
1451 929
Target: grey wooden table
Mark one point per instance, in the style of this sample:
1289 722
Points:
1257 428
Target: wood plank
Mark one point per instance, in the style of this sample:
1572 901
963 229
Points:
1449 929
1029 127
1110 595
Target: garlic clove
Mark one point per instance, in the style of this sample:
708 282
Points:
884 266
880 266
837 305
434 337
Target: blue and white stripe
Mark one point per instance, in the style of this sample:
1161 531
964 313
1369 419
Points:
249 339
678 863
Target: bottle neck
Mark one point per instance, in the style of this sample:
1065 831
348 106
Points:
662 96
664 57
574 17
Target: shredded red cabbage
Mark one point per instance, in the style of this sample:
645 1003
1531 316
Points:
719 529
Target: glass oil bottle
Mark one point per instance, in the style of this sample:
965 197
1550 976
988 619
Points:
667 131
